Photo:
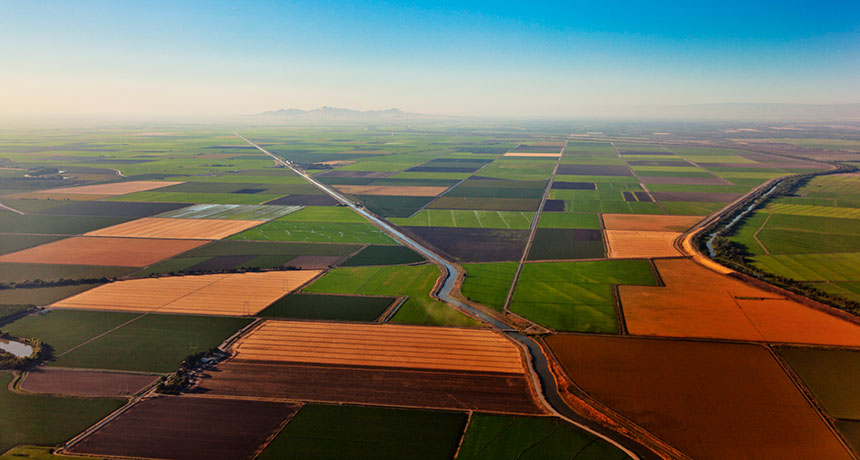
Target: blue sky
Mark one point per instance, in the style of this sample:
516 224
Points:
474 58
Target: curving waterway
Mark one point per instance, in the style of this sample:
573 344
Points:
539 362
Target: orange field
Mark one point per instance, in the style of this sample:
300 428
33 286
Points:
697 302
122 252
531 154
651 223
234 294
116 188
709 400
637 244
195 229
390 190
382 345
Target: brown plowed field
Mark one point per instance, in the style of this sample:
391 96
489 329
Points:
122 252
372 385
234 294
188 428
384 345
625 244
696 196
390 190
709 400
117 188
85 383
195 229
313 262
683 180
651 223
697 302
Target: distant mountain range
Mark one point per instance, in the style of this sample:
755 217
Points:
338 114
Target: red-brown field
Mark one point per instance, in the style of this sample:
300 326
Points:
382 345
85 383
195 229
233 294
391 190
709 400
116 188
188 428
697 302
122 252
484 391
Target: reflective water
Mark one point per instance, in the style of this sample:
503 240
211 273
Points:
18 349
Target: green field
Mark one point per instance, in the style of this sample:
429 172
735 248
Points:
124 341
17 273
831 375
339 214
576 296
328 307
38 453
488 284
569 220
467 219
207 198
316 232
501 437
322 432
46 420
61 225
384 255
416 282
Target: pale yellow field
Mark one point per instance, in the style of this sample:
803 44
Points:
390 190
188 229
234 294
626 244
382 345
117 188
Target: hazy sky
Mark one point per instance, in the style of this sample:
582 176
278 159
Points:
471 58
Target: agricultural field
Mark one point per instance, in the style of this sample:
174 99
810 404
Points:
812 237
328 307
734 310
84 383
488 284
680 384
351 432
576 296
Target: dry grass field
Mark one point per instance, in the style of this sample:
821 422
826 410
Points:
196 229
697 302
234 294
629 244
391 190
122 252
710 400
117 188
650 223
385 345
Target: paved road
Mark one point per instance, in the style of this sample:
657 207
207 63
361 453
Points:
539 363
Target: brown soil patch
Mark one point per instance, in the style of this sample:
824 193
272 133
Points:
313 262
85 383
234 294
683 180
493 392
117 188
710 400
627 244
382 345
696 196
390 190
337 162
697 302
195 229
538 155
188 428
122 252
651 223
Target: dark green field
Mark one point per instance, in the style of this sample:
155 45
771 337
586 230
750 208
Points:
321 432
384 255
499 437
488 284
328 307
46 420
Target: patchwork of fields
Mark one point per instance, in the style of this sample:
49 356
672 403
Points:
325 334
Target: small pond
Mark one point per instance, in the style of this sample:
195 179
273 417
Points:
18 349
